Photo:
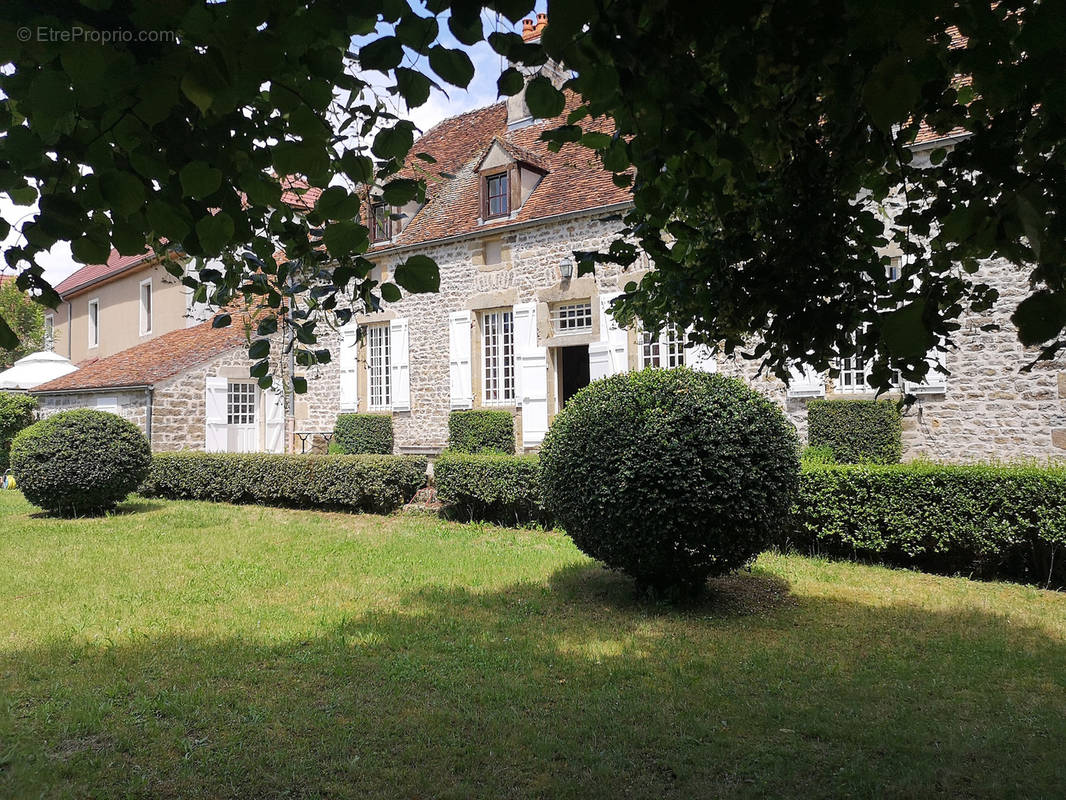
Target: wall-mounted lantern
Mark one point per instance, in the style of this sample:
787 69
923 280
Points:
566 269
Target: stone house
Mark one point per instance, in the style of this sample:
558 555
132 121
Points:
513 327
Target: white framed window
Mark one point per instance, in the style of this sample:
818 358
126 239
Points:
667 350
572 318
49 331
851 375
240 403
379 366
94 322
497 358
146 307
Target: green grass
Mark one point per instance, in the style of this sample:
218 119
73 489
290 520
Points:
185 650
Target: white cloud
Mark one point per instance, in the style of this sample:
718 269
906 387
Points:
58 263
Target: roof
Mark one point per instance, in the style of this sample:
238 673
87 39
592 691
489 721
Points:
925 133
153 361
95 273
574 179
35 369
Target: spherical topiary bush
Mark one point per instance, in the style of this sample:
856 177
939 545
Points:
671 476
81 462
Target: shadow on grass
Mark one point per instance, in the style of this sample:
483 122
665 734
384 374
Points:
136 505
573 689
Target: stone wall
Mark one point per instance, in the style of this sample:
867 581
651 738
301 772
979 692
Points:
991 410
530 268
131 405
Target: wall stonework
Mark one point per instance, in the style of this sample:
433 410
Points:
131 405
535 253
992 410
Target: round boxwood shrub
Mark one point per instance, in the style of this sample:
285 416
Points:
79 463
671 476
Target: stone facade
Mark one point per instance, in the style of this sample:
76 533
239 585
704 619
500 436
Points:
991 409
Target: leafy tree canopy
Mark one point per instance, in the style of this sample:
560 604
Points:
769 141
25 318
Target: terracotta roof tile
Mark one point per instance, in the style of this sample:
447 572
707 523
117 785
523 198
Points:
93 273
574 180
152 362
925 133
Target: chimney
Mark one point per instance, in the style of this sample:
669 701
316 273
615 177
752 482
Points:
518 115
532 30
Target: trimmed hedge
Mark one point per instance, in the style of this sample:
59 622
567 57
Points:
376 483
670 475
494 487
80 462
357 434
481 430
16 413
856 431
1005 522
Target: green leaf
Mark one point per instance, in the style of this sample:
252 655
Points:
400 192
1040 317
214 232
8 339
90 250
465 24
418 274
510 82
221 321
167 221
904 333
345 237
543 99
199 179
124 192
260 348
596 140
261 190
891 92
417 32
336 203
197 90
454 66
394 142
265 382
390 293
23 195
299 384
383 54
413 86
301 158
260 368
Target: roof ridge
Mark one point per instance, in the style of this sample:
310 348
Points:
454 117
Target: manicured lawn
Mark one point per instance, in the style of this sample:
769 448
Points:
195 650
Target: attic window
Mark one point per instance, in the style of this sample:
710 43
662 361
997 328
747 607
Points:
497 195
380 223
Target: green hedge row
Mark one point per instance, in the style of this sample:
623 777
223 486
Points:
856 431
1005 522
376 483
494 487
481 430
986 521
16 413
357 434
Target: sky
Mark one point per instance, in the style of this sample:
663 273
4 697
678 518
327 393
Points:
58 263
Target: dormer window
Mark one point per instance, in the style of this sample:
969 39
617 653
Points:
380 223
497 195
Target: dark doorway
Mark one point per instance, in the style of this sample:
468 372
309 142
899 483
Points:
574 371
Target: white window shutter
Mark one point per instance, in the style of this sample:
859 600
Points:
462 387
610 355
215 396
805 381
531 366
935 381
400 364
275 422
349 375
